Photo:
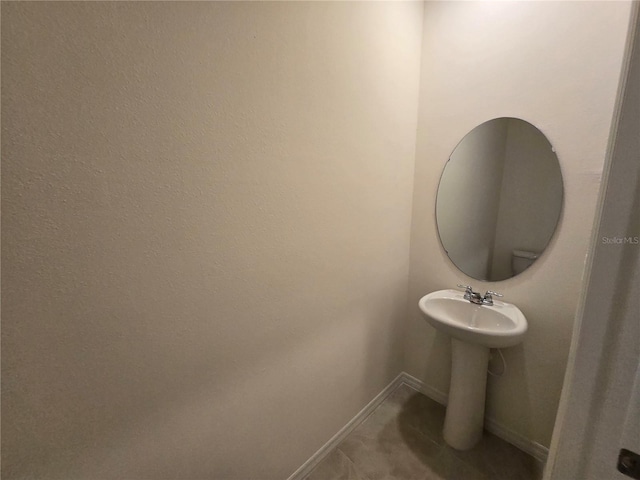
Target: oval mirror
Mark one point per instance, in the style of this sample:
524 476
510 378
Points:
499 199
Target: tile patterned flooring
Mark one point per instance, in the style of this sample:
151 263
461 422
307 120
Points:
402 440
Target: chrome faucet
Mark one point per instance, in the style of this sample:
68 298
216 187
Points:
477 298
469 294
488 297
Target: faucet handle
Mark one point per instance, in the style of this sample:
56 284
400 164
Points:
488 297
468 291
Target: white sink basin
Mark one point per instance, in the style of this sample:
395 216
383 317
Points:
474 329
498 326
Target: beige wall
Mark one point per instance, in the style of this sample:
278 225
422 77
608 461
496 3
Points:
556 65
206 221
206 211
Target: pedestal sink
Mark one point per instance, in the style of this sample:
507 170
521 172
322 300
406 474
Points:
474 329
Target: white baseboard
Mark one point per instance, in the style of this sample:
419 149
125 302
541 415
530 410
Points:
432 393
537 451
333 442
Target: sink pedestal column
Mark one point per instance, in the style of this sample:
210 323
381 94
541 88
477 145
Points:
464 420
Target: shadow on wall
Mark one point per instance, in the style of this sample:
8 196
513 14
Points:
521 413
384 340
438 363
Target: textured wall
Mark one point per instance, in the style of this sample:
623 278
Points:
205 231
556 65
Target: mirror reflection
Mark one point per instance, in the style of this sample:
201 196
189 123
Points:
499 199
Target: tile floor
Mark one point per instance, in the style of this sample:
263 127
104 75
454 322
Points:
402 440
